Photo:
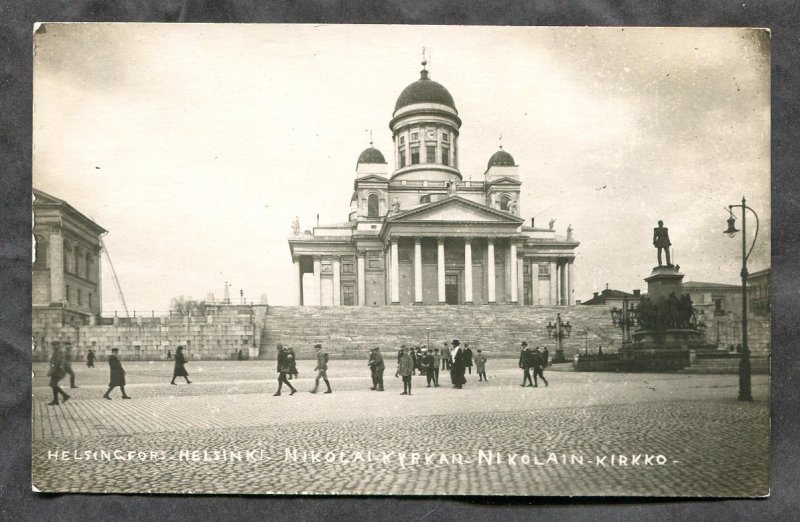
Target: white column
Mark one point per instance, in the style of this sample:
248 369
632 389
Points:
513 264
553 282
318 277
520 281
490 272
57 264
564 285
440 269
468 270
337 300
570 282
534 281
418 270
395 272
362 278
298 286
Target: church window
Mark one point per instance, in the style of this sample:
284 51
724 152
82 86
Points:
68 294
76 268
347 266
430 156
402 140
402 158
415 136
41 252
80 296
414 155
504 200
445 156
373 203
348 295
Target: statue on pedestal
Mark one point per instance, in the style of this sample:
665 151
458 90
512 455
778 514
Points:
661 241
569 232
552 223
296 226
396 206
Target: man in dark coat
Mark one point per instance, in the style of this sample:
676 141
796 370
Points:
371 365
379 367
117 375
538 368
445 356
437 362
427 367
180 367
90 359
56 373
545 357
525 362
459 366
468 357
405 368
68 365
284 367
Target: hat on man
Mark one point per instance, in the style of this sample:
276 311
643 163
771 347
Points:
455 342
317 346
114 350
524 343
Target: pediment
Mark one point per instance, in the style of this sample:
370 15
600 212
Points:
455 209
505 180
373 177
43 198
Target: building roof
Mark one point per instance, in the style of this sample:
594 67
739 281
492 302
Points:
371 155
501 158
43 198
697 285
600 298
425 90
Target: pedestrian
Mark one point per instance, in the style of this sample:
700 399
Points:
169 355
525 363
117 375
90 359
545 357
538 368
284 368
380 367
437 361
292 363
445 356
68 365
480 363
428 367
413 354
180 367
404 369
321 369
240 355
371 365
468 357
56 373
458 367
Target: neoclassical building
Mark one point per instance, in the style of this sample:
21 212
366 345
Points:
421 234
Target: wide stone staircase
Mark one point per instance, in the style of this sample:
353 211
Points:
349 332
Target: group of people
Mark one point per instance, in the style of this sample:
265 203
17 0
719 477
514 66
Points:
533 359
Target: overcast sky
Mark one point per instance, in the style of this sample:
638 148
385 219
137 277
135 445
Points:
196 145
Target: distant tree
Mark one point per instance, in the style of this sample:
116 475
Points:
186 306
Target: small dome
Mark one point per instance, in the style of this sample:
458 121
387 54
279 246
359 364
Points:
424 90
371 155
501 158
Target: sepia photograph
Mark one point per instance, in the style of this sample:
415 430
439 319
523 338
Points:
282 259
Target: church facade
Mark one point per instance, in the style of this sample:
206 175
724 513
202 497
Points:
421 234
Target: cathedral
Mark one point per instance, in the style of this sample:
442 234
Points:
421 234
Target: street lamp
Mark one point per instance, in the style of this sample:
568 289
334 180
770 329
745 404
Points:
624 319
559 331
744 361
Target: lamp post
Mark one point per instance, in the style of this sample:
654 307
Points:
624 319
744 361
559 331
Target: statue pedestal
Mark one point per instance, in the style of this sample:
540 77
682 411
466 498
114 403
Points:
663 281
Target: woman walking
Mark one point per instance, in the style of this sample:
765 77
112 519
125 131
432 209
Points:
117 375
90 359
57 373
180 367
285 362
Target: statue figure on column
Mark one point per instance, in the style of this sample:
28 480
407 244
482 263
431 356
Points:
552 223
452 187
661 241
396 206
296 226
569 232
513 208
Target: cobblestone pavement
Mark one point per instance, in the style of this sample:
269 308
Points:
585 434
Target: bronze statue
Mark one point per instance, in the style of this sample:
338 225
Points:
661 241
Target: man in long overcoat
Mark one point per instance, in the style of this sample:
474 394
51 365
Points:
284 368
117 375
538 368
56 373
405 368
380 367
321 369
180 366
525 362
